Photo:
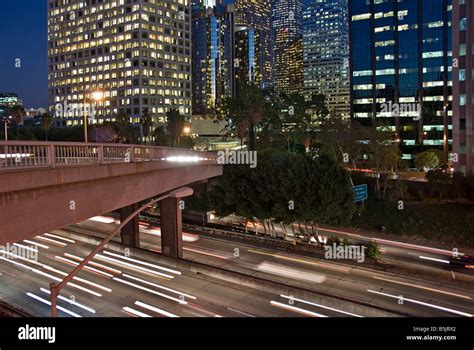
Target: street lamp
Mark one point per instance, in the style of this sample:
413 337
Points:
7 121
96 96
56 288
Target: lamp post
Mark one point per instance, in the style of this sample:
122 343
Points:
96 96
56 288
7 121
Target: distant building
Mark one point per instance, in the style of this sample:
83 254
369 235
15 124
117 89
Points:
8 100
403 77
326 52
213 57
463 103
256 14
286 29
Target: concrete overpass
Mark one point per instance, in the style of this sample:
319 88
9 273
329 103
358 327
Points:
45 186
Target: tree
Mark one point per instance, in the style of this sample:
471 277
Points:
175 125
373 251
46 121
245 112
427 160
17 112
285 189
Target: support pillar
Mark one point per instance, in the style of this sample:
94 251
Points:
131 232
171 228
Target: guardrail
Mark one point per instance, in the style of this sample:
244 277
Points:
19 154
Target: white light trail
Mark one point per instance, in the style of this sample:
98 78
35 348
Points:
155 309
160 287
283 271
423 303
184 302
51 241
87 268
142 263
44 301
70 301
135 312
60 238
105 267
138 268
318 305
296 309
70 284
36 244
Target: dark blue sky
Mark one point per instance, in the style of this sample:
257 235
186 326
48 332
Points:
23 35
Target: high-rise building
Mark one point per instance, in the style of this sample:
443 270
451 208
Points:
293 55
213 56
286 29
401 64
137 53
326 52
249 57
256 14
463 76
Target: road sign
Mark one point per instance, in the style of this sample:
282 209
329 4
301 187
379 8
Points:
361 193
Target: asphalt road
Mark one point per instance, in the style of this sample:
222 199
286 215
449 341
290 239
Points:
407 295
119 285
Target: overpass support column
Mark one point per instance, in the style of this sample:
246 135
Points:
171 228
131 232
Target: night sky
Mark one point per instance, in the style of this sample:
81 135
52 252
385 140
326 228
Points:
23 35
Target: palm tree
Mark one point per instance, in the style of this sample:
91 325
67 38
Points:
46 121
147 124
17 112
175 126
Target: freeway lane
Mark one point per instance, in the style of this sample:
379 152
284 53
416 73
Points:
120 285
415 255
399 293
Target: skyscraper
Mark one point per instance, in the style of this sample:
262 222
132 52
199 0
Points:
137 53
463 75
213 56
286 29
249 57
401 64
256 14
293 55
326 52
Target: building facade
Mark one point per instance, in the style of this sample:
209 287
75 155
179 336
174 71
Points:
463 78
256 14
213 57
293 55
326 52
249 65
286 29
8 100
401 65
138 54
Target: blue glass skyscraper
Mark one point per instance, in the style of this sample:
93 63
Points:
401 64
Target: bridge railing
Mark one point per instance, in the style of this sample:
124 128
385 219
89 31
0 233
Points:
18 154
